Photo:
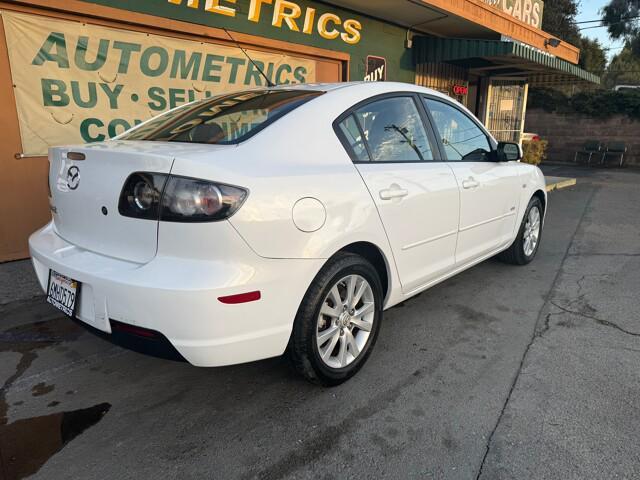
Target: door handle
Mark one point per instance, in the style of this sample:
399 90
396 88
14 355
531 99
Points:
394 192
470 183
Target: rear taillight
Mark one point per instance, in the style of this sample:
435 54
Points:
192 200
141 194
171 198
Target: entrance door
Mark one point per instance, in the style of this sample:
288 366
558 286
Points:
506 109
488 190
416 196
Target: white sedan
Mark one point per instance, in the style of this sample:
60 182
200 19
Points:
280 220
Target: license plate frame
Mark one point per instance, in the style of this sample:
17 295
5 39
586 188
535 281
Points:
67 304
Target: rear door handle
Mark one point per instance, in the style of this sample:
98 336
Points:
470 183
394 192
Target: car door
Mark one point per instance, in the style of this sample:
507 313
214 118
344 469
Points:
416 194
489 189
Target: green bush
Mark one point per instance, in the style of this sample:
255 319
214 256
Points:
534 151
597 103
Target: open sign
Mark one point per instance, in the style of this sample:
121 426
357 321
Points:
460 90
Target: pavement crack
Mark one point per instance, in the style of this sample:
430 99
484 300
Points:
605 323
536 333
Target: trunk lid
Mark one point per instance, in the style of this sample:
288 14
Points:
85 194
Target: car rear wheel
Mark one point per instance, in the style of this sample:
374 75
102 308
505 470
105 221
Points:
338 321
524 248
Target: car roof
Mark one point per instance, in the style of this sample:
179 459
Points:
374 87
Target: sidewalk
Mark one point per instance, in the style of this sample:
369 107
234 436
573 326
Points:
556 183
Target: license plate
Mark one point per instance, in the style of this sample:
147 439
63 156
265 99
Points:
62 293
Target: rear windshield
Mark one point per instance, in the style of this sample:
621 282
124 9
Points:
226 119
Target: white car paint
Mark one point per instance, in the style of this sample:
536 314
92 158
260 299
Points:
307 200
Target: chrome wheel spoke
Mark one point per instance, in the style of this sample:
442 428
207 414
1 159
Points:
326 352
335 296
366 308
353 346
330 311
352 281
358 295
327 334
361 324
342 351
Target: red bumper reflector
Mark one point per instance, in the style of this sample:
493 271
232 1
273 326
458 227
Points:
240 298
133 330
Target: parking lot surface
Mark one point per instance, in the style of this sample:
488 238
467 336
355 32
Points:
501 372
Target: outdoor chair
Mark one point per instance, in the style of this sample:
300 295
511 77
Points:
590 148
614 149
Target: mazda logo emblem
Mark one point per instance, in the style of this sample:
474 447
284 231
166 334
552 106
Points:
73 177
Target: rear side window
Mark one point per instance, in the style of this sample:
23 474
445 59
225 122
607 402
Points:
394 131
351 133
226 119
462 138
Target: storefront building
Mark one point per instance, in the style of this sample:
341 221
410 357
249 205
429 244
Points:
75 71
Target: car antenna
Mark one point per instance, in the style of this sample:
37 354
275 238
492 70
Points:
269 82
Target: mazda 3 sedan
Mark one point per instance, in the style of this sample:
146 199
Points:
280 221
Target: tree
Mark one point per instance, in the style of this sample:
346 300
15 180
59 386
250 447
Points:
559 19
592 56
624 69
622 20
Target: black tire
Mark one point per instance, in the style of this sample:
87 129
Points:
515 254
302 351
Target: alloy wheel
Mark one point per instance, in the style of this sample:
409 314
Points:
531 231
345 321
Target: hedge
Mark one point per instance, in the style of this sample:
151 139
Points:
597 103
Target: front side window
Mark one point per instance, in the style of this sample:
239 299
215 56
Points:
463 140
227 119
394 130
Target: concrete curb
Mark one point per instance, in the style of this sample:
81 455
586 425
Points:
557 183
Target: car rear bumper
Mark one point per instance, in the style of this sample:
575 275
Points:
178 297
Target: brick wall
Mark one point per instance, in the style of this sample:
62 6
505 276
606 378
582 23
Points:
568 133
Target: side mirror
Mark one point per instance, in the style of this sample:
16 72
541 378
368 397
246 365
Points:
509 152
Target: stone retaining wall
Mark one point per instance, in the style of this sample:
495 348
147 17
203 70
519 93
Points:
567 133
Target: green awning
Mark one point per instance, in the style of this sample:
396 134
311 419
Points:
501 58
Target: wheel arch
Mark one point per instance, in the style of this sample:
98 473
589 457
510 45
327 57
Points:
376 256
542 196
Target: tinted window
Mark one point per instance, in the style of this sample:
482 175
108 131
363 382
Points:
351 133
224 119
394 130
461 136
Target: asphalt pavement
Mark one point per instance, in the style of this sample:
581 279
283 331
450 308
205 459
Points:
502 372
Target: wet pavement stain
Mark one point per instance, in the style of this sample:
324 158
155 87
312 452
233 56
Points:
26 445
42 389
26 340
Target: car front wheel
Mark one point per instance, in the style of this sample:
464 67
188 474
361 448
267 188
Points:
338 321
524 248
